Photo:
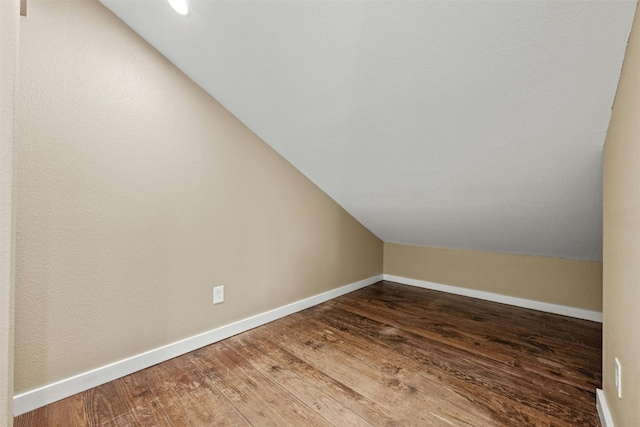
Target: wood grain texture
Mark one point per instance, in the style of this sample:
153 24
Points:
386 355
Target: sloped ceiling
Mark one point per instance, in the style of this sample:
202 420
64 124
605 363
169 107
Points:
459 124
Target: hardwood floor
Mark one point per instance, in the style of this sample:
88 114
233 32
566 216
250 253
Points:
386 355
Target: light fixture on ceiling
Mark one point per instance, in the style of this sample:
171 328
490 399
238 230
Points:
180 6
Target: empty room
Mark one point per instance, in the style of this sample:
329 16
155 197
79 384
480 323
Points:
318 212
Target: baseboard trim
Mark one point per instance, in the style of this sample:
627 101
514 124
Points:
595 316
603 409
50 393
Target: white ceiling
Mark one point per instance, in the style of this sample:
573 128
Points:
462 124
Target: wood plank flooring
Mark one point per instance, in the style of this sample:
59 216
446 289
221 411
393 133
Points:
386 355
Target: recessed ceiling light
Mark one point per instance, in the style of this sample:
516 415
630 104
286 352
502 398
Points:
180 6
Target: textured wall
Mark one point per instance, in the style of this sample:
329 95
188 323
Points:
9 21
137 193
567 282
621 251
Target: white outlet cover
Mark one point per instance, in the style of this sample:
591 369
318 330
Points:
619 378
218 294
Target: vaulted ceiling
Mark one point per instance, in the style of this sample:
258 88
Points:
460 124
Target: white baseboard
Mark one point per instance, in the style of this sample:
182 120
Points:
595 316
603 409
50 393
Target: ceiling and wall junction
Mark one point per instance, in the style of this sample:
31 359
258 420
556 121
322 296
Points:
475 125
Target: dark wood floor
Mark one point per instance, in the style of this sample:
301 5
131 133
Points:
386 355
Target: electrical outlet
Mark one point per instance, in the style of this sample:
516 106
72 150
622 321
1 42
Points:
218 294
619 378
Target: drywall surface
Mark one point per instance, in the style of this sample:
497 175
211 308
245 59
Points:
137 193
572 283
461 124
9 23
621 256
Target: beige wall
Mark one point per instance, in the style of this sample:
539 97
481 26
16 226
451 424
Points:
9 22
553 280
137 193
621 243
